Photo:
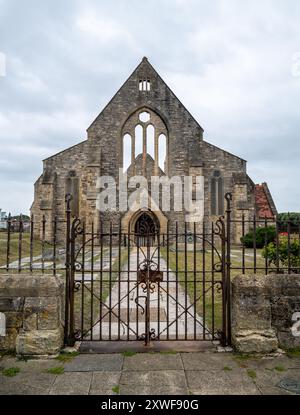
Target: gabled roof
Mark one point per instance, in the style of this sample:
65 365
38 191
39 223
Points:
265 206
145 63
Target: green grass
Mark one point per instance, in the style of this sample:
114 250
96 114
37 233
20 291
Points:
59 370
293 352
243 357
11 371
14 247
116 389
66 357
200 291
128 353
251 373
227 368
280 368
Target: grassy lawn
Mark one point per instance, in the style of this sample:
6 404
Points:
199 285
37 247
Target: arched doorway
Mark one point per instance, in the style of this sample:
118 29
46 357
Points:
146 229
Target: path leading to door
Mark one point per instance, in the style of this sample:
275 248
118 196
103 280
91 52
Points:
172 316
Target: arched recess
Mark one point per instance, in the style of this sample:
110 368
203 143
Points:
217 193
72 188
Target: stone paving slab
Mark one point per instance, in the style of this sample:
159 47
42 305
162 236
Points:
271 378
273 391
155 361
152 390
100 362
104 382
203 373
22 384
150 377
75 383
220 382
29 365
271 362
203 361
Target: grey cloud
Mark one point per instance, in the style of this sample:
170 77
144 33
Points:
229 62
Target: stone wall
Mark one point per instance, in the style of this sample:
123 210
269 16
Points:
32 305
264 312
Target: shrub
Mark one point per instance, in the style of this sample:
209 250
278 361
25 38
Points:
286 255
284 218
264 236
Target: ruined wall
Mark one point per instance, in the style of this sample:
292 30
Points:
102 154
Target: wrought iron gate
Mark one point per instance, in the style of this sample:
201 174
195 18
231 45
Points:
148 285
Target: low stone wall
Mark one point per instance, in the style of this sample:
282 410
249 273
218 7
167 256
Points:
265 310
32 305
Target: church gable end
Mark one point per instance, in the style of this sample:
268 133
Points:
144 130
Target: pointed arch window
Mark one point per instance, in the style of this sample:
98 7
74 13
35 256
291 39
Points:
162 151
147 134
127 149
138 140
217 193
150 140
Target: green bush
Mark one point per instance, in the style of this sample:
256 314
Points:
286 255
286 220
264 236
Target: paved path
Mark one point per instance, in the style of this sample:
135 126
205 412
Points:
168 302
153 374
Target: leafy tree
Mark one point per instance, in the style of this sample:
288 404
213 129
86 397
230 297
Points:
263 237
292 218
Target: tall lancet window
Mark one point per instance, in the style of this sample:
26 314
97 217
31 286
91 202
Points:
127 146
217 193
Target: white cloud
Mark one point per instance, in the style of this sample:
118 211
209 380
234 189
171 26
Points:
103 29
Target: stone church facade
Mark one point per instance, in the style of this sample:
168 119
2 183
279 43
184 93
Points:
144 130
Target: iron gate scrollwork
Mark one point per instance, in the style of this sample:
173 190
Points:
147 285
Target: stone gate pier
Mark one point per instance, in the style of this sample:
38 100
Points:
32 309
265 312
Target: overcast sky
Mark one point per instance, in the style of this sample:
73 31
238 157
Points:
235 65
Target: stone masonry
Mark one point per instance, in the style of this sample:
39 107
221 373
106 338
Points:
265 310
32 305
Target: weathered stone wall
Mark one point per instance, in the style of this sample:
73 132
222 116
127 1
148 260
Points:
32 305
263 308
